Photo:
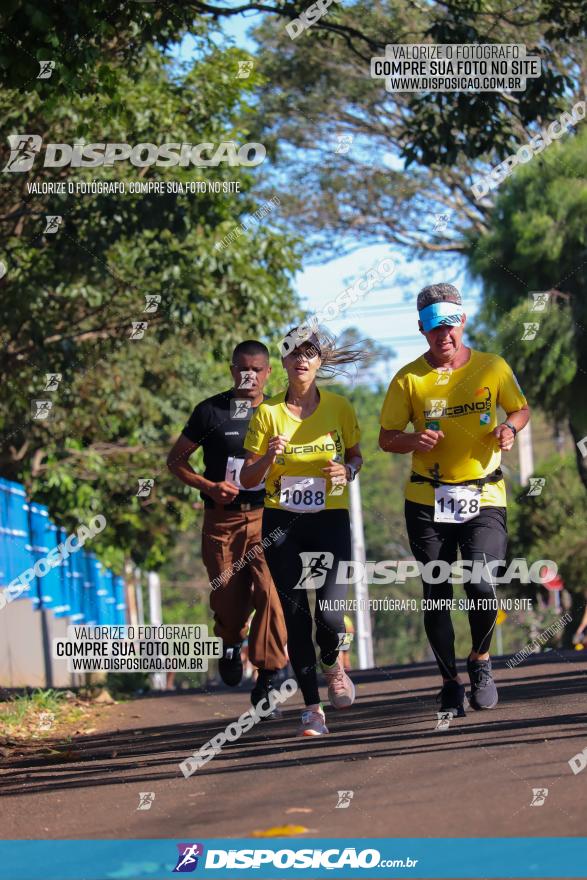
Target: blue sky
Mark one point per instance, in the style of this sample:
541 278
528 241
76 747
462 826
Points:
387 314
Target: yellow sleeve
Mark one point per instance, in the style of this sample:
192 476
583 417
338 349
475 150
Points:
351 433
396 411
258 434
510 396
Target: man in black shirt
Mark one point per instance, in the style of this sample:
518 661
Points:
232 522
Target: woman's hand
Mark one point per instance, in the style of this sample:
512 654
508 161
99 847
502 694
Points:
276 446
335 471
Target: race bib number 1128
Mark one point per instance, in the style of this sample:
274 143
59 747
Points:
456 504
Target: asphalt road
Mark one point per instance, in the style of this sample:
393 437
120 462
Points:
407 779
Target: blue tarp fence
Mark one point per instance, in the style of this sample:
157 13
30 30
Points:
80 588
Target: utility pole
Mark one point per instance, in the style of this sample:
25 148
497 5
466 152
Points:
364 635
526 454
526 459
156 618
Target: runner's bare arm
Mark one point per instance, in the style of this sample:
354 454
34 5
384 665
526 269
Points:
178 464
256 466
406 441
352 455
519 418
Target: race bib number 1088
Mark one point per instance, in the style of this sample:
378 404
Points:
303 494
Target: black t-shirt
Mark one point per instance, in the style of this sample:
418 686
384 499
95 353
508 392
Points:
219 425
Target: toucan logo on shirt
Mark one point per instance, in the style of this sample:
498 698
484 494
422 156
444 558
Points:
308 449
463 409
337 441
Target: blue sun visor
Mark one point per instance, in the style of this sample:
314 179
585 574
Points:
440 313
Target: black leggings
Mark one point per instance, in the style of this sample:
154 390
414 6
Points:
484 539
325 539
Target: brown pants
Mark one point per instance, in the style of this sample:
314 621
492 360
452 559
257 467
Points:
240 585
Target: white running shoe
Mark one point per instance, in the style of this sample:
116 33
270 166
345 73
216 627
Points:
313 722
341 690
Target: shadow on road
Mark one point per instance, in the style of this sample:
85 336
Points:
398 719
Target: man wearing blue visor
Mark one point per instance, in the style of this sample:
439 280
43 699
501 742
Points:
455 497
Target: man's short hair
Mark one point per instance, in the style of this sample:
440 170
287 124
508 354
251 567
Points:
250 346
435 293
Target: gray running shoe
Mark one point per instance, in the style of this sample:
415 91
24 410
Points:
483 689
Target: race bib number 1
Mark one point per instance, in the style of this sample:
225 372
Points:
233 472
456 504
303 494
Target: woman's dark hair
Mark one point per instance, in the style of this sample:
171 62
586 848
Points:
334 357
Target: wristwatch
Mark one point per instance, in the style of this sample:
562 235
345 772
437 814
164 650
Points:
511 427
351 472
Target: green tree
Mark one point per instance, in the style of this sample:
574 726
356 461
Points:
536 240
69 299
85 38
373 166
551 525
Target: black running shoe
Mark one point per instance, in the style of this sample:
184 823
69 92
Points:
263 685
452 698
230 665
483 690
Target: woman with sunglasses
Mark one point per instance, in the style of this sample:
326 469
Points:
305 443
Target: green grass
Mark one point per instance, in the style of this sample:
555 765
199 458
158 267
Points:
22 717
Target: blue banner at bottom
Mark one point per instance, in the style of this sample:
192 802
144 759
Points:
227 858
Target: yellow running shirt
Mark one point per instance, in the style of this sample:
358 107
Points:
463 404
295 480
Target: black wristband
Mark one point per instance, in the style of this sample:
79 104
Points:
353 470
511 427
